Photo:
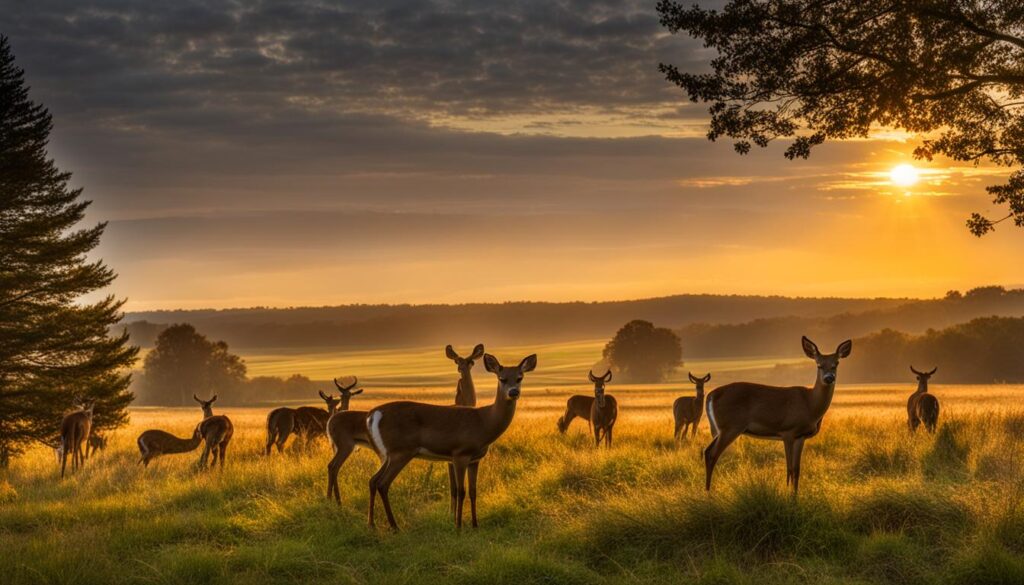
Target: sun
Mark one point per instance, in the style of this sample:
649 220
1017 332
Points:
904 175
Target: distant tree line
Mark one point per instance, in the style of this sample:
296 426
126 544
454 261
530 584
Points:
987 350
185 362
774 337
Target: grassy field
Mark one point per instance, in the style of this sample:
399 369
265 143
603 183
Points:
877 505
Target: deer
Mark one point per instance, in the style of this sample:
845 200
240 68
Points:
74 431
305 420
154 443
216 432
604 409
922 407
465 395
402 431
96 442
346 430
687 410
791 414
580 406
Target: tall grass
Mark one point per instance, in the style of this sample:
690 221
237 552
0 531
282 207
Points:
878 505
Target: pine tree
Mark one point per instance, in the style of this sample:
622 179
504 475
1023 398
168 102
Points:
56 349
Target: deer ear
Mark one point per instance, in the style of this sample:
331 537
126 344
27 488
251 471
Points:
810 350
608 376
449 351
214 399
491 363
196 398
591 376
360 391
707 378
935 369
477 352
529 363
690 376
845 348
322 395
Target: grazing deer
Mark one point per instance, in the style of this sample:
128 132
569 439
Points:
74 431
604 409
96 442
465 395
216 431
790 414
688 409
307 421
402 431
922 407
154 442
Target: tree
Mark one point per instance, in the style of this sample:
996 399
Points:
184 362
813 70
55 347
643 352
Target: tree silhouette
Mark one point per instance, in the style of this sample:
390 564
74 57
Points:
55 350
184 362
643 352
813 70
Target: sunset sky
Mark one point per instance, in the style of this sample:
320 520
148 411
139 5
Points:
255 154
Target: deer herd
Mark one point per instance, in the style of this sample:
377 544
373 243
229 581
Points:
460 434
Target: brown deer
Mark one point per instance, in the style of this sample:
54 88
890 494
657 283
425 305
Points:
604 409
922 407
580 406
74 432
305 420
216 431
465 395
402 431
96 442
790 414
154 443
688 409
346 429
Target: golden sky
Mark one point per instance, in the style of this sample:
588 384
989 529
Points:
461 151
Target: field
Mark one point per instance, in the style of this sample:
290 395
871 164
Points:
876 506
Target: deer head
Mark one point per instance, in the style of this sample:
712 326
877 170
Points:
699 382
510 379
207 405
922 377
346 393
827 363
599 385
465 364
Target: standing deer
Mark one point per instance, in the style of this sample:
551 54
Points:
154 442
922 407
791 414
74 431
307 421
216 432
465 395
346 430
688 409
580 406
604 409
97 442
402 431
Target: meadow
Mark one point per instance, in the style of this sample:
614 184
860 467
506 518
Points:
876 504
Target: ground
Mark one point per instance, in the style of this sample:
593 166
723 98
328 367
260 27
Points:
877 505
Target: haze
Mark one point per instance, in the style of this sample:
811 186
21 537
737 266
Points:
252 154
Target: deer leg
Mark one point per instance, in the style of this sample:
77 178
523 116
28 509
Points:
344 450
693 428
394 467
798 449
608 437
787 445
714 451
452 488
63 461
460 464
374 482
223 452
473 468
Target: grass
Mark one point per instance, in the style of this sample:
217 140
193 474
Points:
877 505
